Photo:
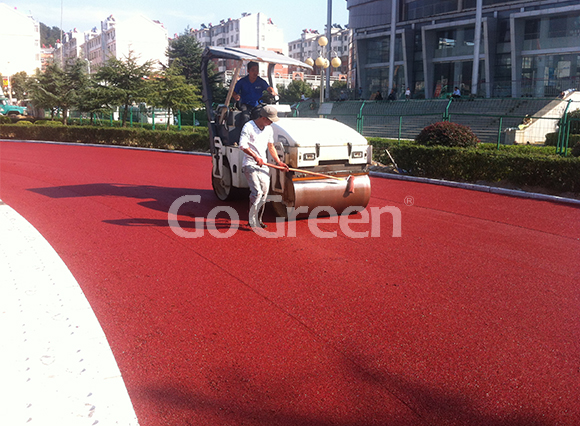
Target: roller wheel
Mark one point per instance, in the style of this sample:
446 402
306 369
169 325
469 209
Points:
222 187
280 210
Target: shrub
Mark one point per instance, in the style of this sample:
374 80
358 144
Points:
48 123
160 139
446 133
574 117
576 150
552 139
4 119
24 123
519 165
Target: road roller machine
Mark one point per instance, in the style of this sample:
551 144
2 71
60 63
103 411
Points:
328 159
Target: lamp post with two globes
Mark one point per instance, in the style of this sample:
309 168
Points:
323 63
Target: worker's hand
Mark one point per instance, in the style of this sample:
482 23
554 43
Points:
260 161
286 168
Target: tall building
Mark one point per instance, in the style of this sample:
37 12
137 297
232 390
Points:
20 37
490 48
46 57
146 40
250 31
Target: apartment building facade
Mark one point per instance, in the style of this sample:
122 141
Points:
20 35
147 40
489 48
250 31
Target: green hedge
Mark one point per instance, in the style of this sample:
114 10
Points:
516 165
172 140
552 139
520 165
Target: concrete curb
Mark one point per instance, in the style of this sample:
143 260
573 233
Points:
481 188
56 364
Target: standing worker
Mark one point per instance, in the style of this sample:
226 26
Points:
256 139
248 90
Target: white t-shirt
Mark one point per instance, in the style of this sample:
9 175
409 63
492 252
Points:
257 140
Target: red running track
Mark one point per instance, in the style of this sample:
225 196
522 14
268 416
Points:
470 318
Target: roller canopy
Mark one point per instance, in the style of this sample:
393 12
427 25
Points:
240 54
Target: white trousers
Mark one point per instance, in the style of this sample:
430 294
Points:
259 182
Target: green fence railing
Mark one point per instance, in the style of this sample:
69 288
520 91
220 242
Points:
497 121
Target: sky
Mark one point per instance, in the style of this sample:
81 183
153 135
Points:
176 15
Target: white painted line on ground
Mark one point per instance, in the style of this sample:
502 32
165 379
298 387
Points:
56 366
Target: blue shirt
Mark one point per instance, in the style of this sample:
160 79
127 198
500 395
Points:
250 92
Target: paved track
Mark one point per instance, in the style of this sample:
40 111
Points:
471 317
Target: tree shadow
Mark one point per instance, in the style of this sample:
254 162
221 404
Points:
419 404
159 199
437 405
247 406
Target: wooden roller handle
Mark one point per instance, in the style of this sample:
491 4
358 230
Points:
274 166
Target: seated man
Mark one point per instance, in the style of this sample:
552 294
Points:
248 90
456 93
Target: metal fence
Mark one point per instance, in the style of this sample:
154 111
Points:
499 121
155 119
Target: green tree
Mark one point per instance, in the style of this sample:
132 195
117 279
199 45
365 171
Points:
44 88
124 82
188 51
48 35
59 89
171 91
74 83
20 85
336 90
92 99
294 91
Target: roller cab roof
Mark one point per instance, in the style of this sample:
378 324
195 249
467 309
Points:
240 54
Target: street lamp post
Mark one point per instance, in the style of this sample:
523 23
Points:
329 41
322 63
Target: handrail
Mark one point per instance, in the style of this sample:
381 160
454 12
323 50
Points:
446 115
563 131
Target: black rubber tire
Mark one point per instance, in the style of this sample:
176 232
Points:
223 188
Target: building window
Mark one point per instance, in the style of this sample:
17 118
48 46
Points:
378 50
532 29
446 39
504 31
421 8
469 36
557 27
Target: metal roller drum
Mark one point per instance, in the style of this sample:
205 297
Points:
316 192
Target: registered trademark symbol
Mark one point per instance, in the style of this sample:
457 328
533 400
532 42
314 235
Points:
409 201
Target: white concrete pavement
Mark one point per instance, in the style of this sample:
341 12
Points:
56 366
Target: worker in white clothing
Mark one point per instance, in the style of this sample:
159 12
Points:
256 139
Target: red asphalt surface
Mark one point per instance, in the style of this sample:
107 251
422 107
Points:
471 317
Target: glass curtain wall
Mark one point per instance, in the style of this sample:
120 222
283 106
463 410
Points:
548 76
376 55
